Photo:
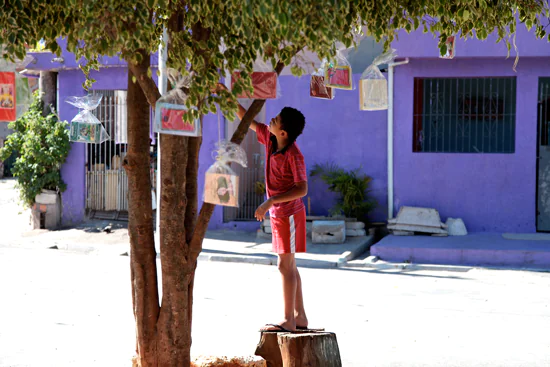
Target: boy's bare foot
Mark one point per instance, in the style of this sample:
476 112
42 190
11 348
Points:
301 321
281 327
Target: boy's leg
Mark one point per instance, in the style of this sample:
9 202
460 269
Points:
289 236
287 267
299 310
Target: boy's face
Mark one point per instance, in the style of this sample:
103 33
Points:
275 127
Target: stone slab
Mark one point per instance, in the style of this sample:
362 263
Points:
409 215
355 225
355 232
416 228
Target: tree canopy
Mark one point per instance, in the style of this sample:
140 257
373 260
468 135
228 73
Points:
218 36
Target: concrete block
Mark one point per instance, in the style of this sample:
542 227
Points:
456 227
47 197
309 229
355 225
46 216
328 232
355 232
267 222
267 229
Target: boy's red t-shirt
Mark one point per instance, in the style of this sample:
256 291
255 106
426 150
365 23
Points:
282 171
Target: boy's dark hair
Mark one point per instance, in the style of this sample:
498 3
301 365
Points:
293 122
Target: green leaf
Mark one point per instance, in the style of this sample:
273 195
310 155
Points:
283 18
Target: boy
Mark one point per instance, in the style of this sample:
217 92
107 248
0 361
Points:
286 184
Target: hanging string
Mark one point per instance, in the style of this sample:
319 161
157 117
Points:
219 133
219 128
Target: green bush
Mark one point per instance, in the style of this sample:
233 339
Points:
42 144
352 187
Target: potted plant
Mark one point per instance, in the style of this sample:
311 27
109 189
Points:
353 189
42 145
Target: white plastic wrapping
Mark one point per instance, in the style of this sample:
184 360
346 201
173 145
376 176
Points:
450 43
373 86
170 108
85 127
221 185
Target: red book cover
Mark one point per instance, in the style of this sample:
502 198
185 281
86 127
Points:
264 83
173 120
7 97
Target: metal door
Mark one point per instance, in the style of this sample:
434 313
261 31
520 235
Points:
543 157
251 177
106 180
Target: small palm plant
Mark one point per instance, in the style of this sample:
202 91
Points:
352 187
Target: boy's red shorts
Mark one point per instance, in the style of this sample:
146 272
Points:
289 233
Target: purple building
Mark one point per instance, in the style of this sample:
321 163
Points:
469 136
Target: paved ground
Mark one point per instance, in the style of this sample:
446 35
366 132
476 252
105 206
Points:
223 245
61 308
64 309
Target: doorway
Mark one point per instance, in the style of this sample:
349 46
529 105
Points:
543 156
251 177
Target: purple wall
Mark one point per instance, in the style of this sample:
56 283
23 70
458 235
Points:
335 131
491 192
418 44
73 171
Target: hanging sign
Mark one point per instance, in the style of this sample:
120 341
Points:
339 76
263 82
169 120
8 108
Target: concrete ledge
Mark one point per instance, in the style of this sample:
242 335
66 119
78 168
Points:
352 254
372 262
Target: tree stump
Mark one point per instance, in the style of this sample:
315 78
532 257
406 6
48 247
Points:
268 349
300 349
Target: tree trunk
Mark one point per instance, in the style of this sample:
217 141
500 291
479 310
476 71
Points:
140 226
47 85
174 325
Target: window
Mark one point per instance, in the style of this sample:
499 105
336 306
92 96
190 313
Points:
464 115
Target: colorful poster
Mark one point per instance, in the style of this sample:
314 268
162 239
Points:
339 77
169 120
84 132
221 189
264 83
8 110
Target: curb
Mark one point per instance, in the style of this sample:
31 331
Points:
264 260
350 255
372 262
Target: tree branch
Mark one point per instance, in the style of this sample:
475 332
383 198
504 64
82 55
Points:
207 209
146 83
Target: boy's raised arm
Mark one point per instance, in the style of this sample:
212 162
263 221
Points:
241 113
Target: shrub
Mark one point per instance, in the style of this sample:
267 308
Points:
42 144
